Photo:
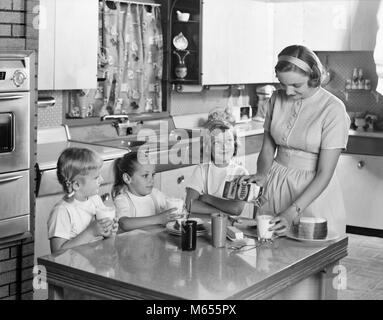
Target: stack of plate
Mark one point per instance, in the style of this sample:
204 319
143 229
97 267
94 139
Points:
173 227
311 228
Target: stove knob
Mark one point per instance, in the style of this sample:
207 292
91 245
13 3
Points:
19 78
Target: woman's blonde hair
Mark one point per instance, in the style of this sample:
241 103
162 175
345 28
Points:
73 163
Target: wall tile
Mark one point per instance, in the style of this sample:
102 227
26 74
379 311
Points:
5 30
5 4
19 5
8 265
12 17
7 277
4 254
4 291
51 116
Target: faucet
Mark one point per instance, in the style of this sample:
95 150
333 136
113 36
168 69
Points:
121 122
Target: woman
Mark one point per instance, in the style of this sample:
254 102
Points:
305 130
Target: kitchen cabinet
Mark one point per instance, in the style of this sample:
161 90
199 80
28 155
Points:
326 25
236 42
361 180
330 25
288 26
229 41
68 46
173 182
364 24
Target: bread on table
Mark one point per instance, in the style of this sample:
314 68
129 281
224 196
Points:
313 228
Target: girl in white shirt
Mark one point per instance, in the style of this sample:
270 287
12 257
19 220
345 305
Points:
72 221
205 187
138 203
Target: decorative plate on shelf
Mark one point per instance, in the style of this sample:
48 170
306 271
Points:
180 42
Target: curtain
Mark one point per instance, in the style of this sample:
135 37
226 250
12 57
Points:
131 58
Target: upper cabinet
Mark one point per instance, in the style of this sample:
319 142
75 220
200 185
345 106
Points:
326 25
68 40
329 25
228 42
364 24
236 41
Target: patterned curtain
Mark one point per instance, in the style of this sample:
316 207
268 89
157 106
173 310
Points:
131 58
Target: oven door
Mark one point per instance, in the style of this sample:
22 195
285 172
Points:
14 131
14 200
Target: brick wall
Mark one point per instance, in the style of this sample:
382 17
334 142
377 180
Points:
16 258
16 266
13 24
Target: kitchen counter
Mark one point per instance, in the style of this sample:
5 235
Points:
48 153
149 264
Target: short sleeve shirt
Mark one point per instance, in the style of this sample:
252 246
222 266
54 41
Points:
317 122
132 206
210 179
69 219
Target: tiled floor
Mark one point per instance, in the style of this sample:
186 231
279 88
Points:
364 267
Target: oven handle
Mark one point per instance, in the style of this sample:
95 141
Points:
9 97
10 179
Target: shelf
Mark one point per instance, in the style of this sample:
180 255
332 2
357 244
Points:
186 22
184 81
346 93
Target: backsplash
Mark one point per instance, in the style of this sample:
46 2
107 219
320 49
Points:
51 116
342 65
207 99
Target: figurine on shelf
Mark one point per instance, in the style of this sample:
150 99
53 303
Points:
181 70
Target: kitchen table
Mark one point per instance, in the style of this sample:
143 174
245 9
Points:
149 264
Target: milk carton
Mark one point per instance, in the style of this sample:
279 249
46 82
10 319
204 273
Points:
245 192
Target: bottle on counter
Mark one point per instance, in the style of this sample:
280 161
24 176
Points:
360 79
355 82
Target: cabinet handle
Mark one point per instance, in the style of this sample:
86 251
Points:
180 179
10 179
361 164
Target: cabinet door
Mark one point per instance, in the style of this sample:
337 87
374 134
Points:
249 42
215 28
326 25
68 44
364 24
173 182
76 44
237 42
361 179
288 26
46 44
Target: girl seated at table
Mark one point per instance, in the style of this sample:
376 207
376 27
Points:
72 221
138 203
205 187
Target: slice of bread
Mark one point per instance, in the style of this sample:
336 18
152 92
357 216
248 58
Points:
311 228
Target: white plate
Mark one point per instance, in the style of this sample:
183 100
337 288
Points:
170 228
331 236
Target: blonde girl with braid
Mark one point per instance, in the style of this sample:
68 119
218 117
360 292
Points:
72 221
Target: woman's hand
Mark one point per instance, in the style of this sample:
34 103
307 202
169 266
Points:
258 178
284 221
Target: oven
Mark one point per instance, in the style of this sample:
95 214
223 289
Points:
16 138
